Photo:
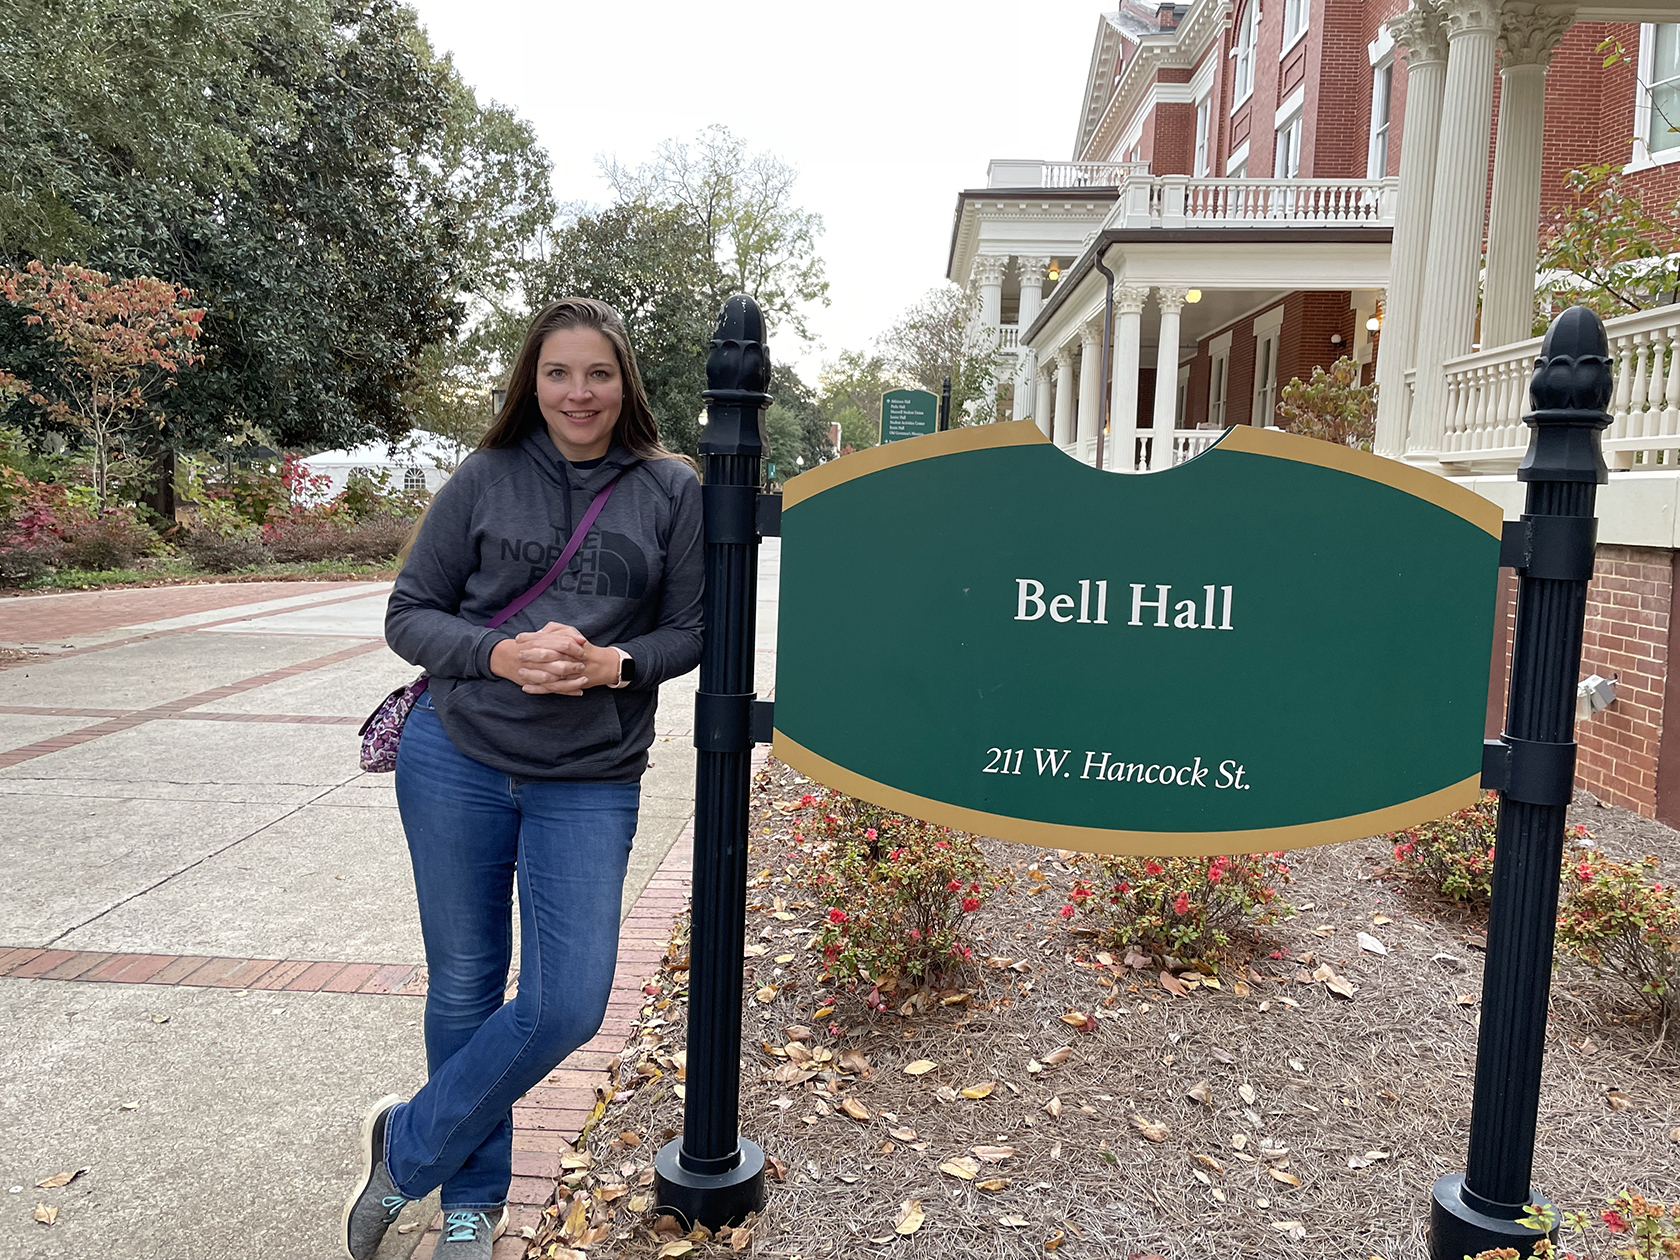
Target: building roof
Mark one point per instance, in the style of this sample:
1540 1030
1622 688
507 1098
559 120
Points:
419 449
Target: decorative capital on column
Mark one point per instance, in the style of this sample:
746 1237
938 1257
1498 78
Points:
1090 335
1129 299
1064 358
1031 271
1422 31
1170 297
1471 17
990 268
1529 35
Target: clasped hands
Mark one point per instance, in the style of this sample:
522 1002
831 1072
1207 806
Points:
556 660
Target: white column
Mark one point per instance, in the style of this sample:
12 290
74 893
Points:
988 275
1170 298
1527 40
1455 215
1041 401
1064 396
1090 382
1031 271
1423 32
1123 397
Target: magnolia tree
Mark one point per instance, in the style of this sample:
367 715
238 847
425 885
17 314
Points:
122 342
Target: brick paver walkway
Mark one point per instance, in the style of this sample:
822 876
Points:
43 618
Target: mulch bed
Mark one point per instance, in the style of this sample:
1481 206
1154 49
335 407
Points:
1326 1122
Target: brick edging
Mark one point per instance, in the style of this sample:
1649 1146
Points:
296 975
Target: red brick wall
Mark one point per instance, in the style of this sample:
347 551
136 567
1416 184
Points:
1309 320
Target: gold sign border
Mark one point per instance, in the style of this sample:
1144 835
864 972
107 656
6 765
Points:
1428 486
1136 843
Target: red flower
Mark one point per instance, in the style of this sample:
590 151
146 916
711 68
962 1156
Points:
837 915
1215 874
970 904
1152 867
954 886
806 799
870 834
940 844
1182 904
1583 872
1616 1221
1066 911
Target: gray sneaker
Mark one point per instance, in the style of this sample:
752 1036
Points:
468 1233
374 1203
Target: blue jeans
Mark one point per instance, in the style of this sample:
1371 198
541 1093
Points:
472 831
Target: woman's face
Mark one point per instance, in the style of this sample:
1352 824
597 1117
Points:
579 391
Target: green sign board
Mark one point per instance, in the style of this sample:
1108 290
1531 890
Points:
907 413
1279 643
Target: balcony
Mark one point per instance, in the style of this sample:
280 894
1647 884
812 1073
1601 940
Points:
1005 173
1180 201
1185 443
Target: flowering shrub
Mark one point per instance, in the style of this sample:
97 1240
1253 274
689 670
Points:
898 893
1183 906
1642 1228
1617 923
1452 855
113 539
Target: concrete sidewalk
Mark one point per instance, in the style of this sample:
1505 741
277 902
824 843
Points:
181 804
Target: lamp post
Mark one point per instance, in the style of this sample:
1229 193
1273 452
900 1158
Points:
711 1174
1532 765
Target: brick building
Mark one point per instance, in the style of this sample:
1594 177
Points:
1274 184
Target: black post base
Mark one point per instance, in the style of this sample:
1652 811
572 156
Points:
712 1201
1462 1223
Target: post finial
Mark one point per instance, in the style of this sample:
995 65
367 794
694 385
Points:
1570 389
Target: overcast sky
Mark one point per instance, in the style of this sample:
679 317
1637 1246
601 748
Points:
887 108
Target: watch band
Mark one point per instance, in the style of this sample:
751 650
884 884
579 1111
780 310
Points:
624 658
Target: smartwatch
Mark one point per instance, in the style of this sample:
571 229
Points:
626 669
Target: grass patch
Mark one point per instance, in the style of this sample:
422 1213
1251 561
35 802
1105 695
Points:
177 571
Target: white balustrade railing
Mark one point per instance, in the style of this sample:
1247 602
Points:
1009 338
1036 174
1487 394
1186 444
1178 201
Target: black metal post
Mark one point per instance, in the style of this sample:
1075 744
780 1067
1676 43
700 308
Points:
945 405
711 1174
1104 387
1533 766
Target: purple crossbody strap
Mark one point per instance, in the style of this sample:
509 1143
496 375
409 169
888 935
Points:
572 545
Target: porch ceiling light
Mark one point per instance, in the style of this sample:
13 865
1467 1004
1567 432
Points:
1054 273
1194 295
1374 324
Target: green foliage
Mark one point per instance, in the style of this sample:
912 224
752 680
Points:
1641 1229
898 894
935 339
1183 907
1453 855
851 387
1614 918
1606 251
1332 406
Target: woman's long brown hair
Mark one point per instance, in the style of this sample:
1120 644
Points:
636 430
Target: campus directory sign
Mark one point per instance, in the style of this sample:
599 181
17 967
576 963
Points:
907 413
1279 643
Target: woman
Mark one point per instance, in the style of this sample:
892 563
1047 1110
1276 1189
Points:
522 761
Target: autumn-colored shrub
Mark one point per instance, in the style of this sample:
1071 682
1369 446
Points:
1182 907
1615 919
1639 1229
898 894
114 539
377 537
1451 855
225 553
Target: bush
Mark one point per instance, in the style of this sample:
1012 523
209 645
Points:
369 494
378 537
306 536
1452 855
1623 927
22 565
112 540
225 553
1643 1229
898 894
1182 907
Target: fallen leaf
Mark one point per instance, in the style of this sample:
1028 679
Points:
1371 945
965 1168
1054 1241
1291 1229
1201 1092
1287 1178
1172 984
854 1061
1207 1161
853 1108
637 1203
775 1167
1325 929
1616 1098
1367 1159
1241 989
920 1067
1054 1107
981 1089
1467 999
630 1138
1239 1141
60 1179
1674 1134
1012 1222
766 994
678 1248
1057 1056
1079 1020
1381 919
1298 1065
903 1134
910 1217
822 1012
574 1160
993 1184
1151 1130
994 1154
1341 987
1246 1093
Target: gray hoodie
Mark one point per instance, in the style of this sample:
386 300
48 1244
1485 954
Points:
493 530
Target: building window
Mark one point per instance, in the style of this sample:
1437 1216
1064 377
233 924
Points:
1382 88
1286 164
1661 75
1219 380
1248 36
1204 121
414 479
1268 330
1294 21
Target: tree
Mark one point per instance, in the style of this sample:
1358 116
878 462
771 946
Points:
741 204
122 342
1333 406
798 426
935 339
648 262
1607 251
852 385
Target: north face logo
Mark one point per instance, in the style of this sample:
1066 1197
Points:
607 563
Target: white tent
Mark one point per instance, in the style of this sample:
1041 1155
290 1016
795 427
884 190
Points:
421 461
